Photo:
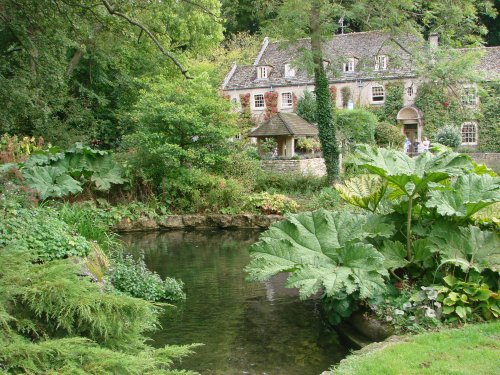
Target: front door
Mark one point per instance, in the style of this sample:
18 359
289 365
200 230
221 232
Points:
411 132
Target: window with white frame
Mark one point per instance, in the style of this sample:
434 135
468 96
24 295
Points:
258 101
469 133
350 65
378 94
469 96
381 62
287 99
262 72
289 71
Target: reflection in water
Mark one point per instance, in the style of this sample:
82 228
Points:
246 328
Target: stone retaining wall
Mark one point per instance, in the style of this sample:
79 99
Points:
171 222
307 167
484 156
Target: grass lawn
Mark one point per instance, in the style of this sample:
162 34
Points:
472 350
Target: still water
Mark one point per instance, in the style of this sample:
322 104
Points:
246 328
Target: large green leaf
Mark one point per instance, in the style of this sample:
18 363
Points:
467 196
365 191
322 250
411 175
106 172
468 247
394 255
51 182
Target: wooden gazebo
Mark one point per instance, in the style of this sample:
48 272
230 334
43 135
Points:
285 127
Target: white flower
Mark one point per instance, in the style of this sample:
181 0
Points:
412 318
399 312
388 318
406 305
437 304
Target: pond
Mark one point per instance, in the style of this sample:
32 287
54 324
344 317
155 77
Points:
246 328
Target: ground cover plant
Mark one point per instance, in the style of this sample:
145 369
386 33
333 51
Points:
418 227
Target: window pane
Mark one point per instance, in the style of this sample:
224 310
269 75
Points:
469 133
287 99
378 94
258 101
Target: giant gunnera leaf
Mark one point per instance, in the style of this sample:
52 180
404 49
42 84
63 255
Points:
469 194
106 172
364 191
467 247
51 182
411 175
323 250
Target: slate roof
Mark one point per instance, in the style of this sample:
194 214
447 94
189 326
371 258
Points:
285 124
489 64
363 46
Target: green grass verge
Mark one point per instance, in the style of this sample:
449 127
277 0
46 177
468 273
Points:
474 349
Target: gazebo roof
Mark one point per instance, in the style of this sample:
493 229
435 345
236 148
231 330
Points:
285 124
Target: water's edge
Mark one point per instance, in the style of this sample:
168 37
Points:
211 221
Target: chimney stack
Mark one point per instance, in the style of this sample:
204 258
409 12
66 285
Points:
433 40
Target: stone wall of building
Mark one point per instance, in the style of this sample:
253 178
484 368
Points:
306 167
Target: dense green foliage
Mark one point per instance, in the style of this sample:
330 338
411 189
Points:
326 125
356 125
389 136
40 231
132 277
419 227
55 321
306 107
69 71
489 120
448 135
392 104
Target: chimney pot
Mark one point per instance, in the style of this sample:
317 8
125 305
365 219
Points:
434 40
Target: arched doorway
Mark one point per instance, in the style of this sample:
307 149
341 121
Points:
413 124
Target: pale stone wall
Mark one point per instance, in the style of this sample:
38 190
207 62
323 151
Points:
361 95
306 167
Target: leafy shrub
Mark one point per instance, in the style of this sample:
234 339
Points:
306 107
55 174
407 309
356 125
14 149
133 278
267 145
272 203
466 300
42 233
448 135
289 183
308 144
328 198
196 190
388 135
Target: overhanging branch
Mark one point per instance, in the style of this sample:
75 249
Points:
143 28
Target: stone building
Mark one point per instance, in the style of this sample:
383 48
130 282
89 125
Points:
359 67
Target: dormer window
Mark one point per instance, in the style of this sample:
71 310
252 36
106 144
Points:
381 62
350 65
289 71
262 72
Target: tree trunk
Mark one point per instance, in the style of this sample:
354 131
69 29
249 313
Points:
326 124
